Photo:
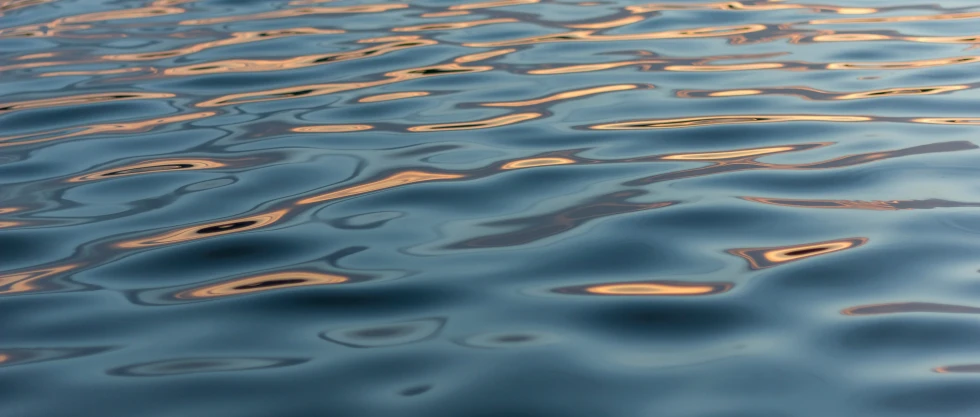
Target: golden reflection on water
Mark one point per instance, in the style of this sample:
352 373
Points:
392 96
477 124
890 205
536 162
135 13
91 72
263 282
302 11
650 288
58 27
491 4
730 67
80 99
736 154
247 223
31 281
445 14
482 56
820 95
331 128
150 167
924 63
36 56
761 258
323 89
749 7
259 65
564 96
948 121
236 38
10 5
726 120
608 24
453 25
124 127
591 36
394 180
897 19
207 230
911 307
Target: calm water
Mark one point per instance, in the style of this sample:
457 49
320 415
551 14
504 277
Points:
514 208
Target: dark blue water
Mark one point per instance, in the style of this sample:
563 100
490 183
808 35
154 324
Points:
515 208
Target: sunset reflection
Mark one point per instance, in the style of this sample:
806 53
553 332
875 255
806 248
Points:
650 288
761 258
263 282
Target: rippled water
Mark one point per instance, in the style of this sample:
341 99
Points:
509 208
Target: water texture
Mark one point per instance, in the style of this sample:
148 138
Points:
518 208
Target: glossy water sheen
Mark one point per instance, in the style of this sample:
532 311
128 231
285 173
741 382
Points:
512 208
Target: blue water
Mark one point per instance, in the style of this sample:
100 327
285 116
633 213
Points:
516 208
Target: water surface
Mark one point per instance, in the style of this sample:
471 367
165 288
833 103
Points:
508 208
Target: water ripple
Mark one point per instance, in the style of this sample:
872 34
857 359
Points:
504 207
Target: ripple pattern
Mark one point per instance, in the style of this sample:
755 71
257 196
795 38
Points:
489 208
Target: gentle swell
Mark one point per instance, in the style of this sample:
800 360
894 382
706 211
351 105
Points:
489 208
